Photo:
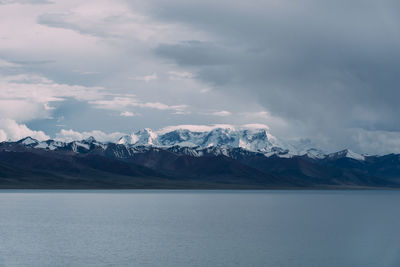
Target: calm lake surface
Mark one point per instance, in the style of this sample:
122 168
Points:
199 228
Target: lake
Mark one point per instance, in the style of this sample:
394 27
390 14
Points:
199 228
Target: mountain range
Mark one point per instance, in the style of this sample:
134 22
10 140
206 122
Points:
194 157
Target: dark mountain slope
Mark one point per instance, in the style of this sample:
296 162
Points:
220 168
90 164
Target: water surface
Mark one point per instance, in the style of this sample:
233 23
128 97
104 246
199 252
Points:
199 228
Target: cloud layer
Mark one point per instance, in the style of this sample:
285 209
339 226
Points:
322 66
10 130
317 69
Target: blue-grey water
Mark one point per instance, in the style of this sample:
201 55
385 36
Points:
199 228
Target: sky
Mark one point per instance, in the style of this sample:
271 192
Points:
316 70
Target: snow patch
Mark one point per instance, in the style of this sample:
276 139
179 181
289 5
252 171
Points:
29 141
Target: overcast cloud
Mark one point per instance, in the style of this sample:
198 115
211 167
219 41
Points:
323 70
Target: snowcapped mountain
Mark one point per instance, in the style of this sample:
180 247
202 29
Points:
314 153
144 137
190 140
75 146
29 141
196 140
190 157
347 153
250 137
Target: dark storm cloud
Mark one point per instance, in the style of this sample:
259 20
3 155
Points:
196 53
327 65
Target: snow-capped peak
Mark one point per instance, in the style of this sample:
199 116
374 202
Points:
144 137
89 140
127 140
195 139
315 153
347 153
29 141
354 155
251 137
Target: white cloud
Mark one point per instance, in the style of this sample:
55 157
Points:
22 110
162 106
11 130
3 135
264 116
181 112
127 114
71 135
180 75
205 90
43 90
121 103
222 113
89 72
113 20
147 78
7 64
25 97
24 40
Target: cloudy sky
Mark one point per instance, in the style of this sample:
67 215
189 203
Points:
327 71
